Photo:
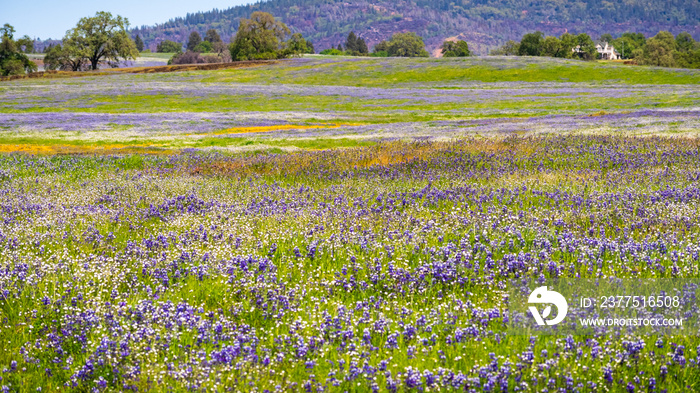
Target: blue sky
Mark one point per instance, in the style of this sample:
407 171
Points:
51 18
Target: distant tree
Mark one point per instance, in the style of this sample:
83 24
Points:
62 58
340 47
510 48
552 47
355 45
685 42
688 58
531 44
382 46
568 43
362 48
12 60
659 50
100 37
26 44
687 54
637 38
139 43
259 37
455 49
7 31
381 49
310 47
204 47
168 46
194 40
212 36
295 46
351 42
628 43
585 48
406 45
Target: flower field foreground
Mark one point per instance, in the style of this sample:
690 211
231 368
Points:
372 268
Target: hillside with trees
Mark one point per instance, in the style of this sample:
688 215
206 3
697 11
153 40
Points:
662 50
484 24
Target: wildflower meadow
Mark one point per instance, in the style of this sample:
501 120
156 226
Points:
341 225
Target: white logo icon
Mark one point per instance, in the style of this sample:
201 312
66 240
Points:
542 295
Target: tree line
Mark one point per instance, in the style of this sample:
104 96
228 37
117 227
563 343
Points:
407 44
262 38
663 49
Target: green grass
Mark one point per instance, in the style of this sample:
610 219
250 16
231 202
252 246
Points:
384 72
376 111
156 55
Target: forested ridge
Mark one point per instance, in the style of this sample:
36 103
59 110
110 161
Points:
485 24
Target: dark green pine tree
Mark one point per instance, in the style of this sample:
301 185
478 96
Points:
139 43
212 36
362 46
194 40
351 42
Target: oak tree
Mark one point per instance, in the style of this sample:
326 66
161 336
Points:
458 48
260 37
101 37
406 45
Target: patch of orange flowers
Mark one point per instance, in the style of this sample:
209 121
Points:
280 127
25 148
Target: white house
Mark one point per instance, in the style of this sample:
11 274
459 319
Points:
607 52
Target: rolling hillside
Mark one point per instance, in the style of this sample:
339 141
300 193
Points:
484 24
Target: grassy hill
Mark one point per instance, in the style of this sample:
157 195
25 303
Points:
406 72
484 24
